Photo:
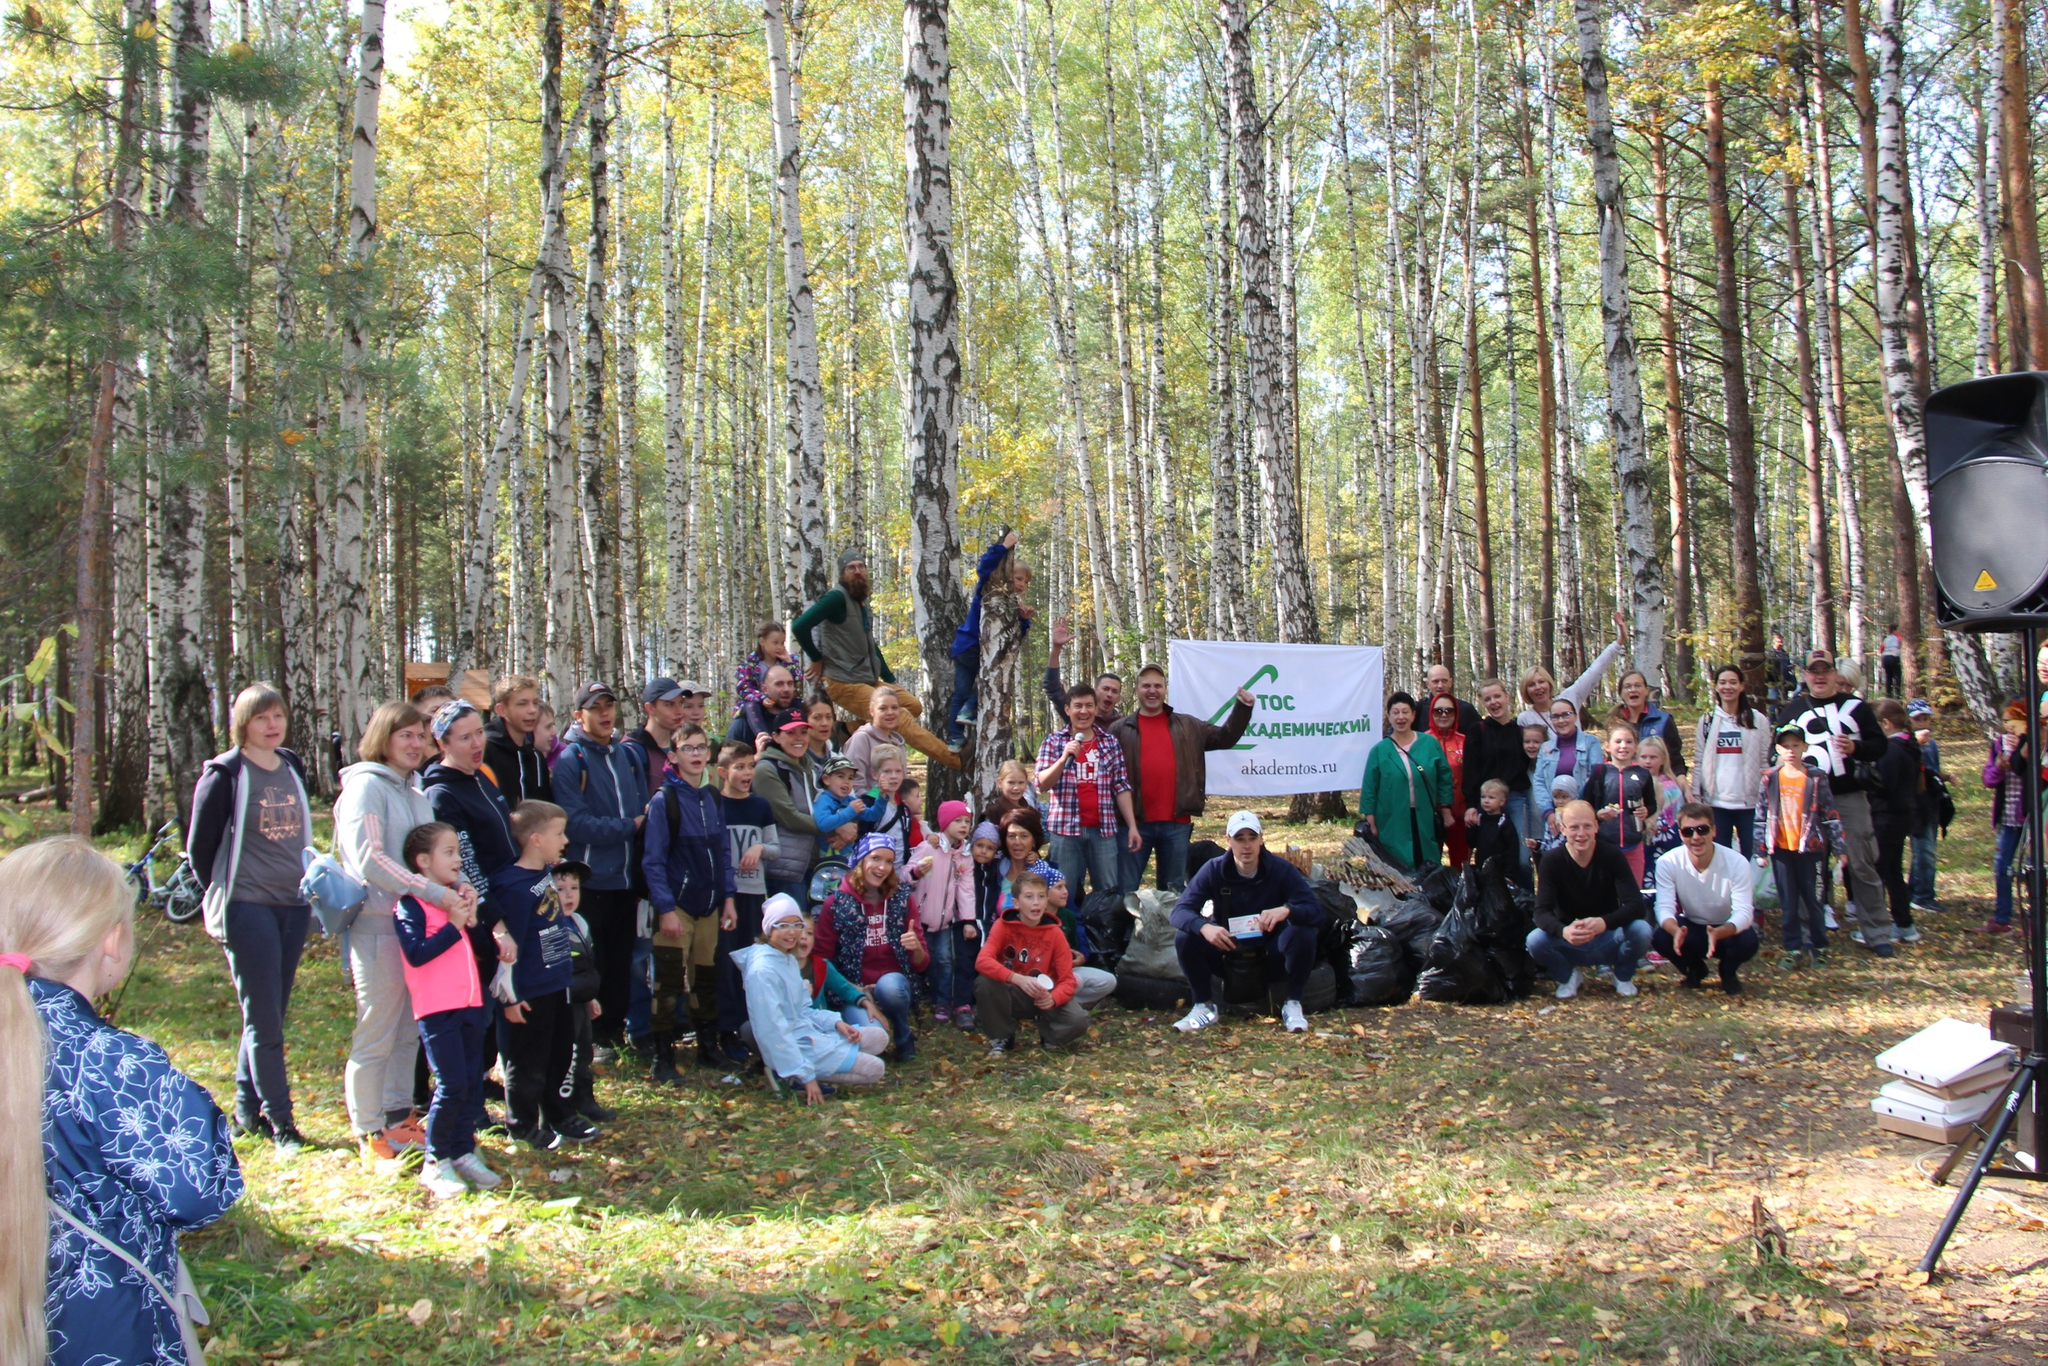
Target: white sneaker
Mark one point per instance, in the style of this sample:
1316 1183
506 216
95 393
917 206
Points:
1570 986
1856 935
1622 988
1827 918
1291 1015
471 1168
442 1181
1201 1017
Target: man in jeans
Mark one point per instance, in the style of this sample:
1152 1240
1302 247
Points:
1589 908
1842 734
1081 771
1163 756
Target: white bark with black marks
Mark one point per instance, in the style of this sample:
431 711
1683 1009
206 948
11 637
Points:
1624 380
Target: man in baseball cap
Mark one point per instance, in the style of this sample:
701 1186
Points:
661 701
1248 901
601 784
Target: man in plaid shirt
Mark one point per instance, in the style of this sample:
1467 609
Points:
1081 771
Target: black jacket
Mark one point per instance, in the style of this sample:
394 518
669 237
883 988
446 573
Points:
1495 751
1842 714
521 770
1895 803
472 804
213 809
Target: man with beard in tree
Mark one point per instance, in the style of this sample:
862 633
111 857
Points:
837 633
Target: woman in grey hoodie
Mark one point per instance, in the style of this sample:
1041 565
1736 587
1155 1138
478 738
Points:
381 801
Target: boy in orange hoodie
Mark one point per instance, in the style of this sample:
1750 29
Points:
1027 969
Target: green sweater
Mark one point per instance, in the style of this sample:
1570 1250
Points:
1408 832
845 642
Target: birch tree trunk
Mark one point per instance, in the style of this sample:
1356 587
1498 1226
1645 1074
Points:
1624 383
932 312
563 575
1828 321
1902 397
241 633
357 684
112 421
1265 346
1546 380
599 549
1819 569
681 652
1001 682
184 700
1226 548
628 454
480 545
804 419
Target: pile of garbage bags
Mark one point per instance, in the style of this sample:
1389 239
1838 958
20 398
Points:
1458 938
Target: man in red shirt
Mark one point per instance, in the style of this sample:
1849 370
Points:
1163 751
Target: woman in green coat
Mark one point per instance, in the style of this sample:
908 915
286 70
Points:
1407 788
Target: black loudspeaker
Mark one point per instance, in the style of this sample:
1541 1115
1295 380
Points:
1987 482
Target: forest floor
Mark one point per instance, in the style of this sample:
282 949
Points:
1541 1181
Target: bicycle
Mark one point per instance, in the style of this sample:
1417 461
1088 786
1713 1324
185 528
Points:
178 896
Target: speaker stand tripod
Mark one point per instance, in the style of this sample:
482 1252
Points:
2025 1088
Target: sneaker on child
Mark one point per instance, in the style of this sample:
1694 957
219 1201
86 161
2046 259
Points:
471 1168
441 1181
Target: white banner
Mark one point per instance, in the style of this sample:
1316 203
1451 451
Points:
1318 711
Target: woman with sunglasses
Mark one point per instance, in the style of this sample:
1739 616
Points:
1446 728
1705 913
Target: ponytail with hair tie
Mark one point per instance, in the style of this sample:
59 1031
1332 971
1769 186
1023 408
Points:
20 962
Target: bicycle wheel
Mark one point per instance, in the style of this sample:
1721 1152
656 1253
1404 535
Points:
182 899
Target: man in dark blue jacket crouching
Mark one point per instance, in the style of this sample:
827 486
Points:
1249 901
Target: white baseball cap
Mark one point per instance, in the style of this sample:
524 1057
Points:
1243 820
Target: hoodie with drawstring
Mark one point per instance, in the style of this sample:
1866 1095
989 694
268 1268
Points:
603 788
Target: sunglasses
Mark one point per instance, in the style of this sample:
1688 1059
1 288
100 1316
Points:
1694 831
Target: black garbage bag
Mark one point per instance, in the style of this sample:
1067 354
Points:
1339 933
1439 887
1513 968
1109 928
1456 939
1202 852
1365 832
1469 982
1414 922
1505 912
1379 970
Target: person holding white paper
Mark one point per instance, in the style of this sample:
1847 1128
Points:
1279 913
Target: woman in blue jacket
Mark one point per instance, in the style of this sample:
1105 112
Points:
130 1151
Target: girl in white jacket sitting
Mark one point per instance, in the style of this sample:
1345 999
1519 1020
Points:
803 1046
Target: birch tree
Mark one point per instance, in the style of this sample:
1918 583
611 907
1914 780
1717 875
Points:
1903 401
563 572
1001 679
356 682
1265 347
184 699
932 311
601 647
1617 325
804 414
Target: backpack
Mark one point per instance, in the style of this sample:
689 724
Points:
1944 800
335 895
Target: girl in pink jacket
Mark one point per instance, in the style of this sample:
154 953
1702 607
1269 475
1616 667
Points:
942 894
448 1003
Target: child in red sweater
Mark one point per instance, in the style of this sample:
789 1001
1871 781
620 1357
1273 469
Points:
1027 970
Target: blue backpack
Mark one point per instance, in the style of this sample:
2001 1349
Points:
335 896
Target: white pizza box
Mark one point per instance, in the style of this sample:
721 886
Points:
1944 1053
1932 1133
1907 1100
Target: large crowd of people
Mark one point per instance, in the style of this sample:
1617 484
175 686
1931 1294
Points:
537 895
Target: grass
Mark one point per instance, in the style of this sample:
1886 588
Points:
1531 1182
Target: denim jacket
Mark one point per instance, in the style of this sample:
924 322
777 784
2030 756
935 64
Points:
1588 758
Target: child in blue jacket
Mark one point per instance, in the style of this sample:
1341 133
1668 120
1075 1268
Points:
688 866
